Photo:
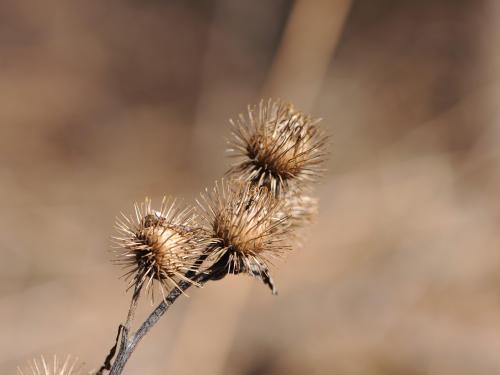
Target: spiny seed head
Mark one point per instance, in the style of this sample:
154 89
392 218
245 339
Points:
277 146
70 366
157 246
243 224
300 208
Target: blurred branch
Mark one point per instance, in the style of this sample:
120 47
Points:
311 35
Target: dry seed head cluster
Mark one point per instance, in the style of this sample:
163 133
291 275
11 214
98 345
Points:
157 246
243 223
246 220
277 146
70 366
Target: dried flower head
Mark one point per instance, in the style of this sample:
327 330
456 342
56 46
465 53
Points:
300 207
244 228
55 367
277 146
157 246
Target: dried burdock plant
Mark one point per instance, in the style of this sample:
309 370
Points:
277 146
300 208
241 225
243 229
157 246
70 366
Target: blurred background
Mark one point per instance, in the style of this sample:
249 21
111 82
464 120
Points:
103 103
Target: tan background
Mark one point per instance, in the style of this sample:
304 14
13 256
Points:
102 103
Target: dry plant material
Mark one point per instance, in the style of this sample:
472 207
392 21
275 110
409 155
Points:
277 146
157 246
244 228
70 366
300 208
242 225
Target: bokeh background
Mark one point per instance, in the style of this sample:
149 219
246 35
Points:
103 103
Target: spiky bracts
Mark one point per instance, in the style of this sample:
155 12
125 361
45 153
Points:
278 146
70 366
157 246
300 208
244 230
245 219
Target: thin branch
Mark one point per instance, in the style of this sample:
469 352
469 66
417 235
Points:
111 354
128 345
133 303
123 329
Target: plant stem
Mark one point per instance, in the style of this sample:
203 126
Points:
133 305
128 345
123 329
